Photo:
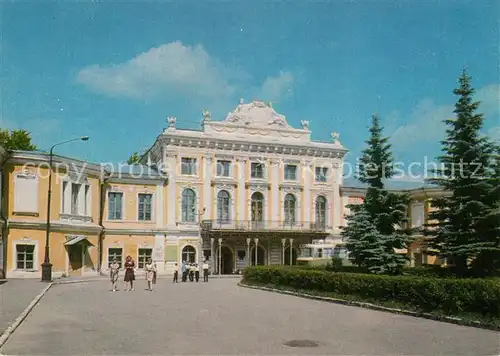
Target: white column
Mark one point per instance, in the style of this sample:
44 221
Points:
240 211
207 188
307 174
256 240
249 258
219 257
171 167
67 200
275 191
283 243
212 256
159 203
291 251
159 252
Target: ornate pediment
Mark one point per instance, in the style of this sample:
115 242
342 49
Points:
258 114
291 187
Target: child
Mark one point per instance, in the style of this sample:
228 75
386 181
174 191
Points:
114 268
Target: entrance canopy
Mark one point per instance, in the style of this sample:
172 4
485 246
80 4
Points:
78 239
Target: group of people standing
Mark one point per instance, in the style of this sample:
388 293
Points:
189 270
114 270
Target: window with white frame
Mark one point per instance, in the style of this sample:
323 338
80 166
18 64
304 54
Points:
143 256
257 170
289 209
115 252
25 256
75 192
321 174
188 206
417 214
145 207
188 166
321 211
223 168
26 193
76 198
115 205
290 172
223 206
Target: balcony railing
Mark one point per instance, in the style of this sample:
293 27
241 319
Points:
264 225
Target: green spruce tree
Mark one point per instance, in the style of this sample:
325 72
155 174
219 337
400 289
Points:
134 158
464 226
373 238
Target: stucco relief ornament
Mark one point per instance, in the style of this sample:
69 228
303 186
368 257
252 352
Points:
171 122
305 124
335 137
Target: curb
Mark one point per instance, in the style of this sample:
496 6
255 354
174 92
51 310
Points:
8 332
446 319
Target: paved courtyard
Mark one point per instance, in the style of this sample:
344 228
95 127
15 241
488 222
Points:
220 318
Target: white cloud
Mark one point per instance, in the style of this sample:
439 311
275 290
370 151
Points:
277 87
424 125
494 133
176 68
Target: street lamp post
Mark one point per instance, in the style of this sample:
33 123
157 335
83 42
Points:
46 265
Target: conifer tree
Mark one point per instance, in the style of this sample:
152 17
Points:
374 236
465 224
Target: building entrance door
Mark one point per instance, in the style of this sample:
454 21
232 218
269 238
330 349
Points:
227 259
261 256
75 255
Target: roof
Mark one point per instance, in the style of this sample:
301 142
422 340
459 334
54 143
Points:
140 171
390 184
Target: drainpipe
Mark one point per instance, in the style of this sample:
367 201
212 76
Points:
102 200
5 230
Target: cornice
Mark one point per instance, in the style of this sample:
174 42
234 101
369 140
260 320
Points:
141 180
55 226
141 232
223 182
43 159
291 186
256 184
305 149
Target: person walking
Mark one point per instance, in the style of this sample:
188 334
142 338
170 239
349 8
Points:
191 272
114 269
184 270
129 273
205 271
176 273
150 273
196 272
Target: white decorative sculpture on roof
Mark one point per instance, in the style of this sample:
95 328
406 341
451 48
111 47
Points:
206 115
256 114
242 101
171 122
305 124
335 137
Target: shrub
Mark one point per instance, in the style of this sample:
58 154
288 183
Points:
448 295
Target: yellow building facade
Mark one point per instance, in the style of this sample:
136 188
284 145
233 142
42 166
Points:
249 189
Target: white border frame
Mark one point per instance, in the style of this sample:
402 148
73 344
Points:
36 262
153 206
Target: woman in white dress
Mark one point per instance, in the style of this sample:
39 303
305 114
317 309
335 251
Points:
150 273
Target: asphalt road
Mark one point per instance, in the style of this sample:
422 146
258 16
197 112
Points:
220 318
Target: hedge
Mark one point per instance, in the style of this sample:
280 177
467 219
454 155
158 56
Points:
451 296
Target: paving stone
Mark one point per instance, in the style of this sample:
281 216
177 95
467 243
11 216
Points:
220 318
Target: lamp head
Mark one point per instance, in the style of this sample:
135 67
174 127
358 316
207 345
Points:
84 138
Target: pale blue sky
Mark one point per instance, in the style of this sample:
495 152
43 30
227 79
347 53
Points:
115 70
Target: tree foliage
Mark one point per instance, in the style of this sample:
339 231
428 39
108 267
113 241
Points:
464 226
134 158
373 234
16 140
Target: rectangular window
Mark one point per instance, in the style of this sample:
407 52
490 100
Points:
321 174
188 166
25 257
417 214
75 191
145 202
290 172
64 203
115 206
144 255
223 168
257 170
87 201
115 253
26 193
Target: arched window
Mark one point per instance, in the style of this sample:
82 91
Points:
223 202
188 206
321 211
257 206
189 254
289 209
